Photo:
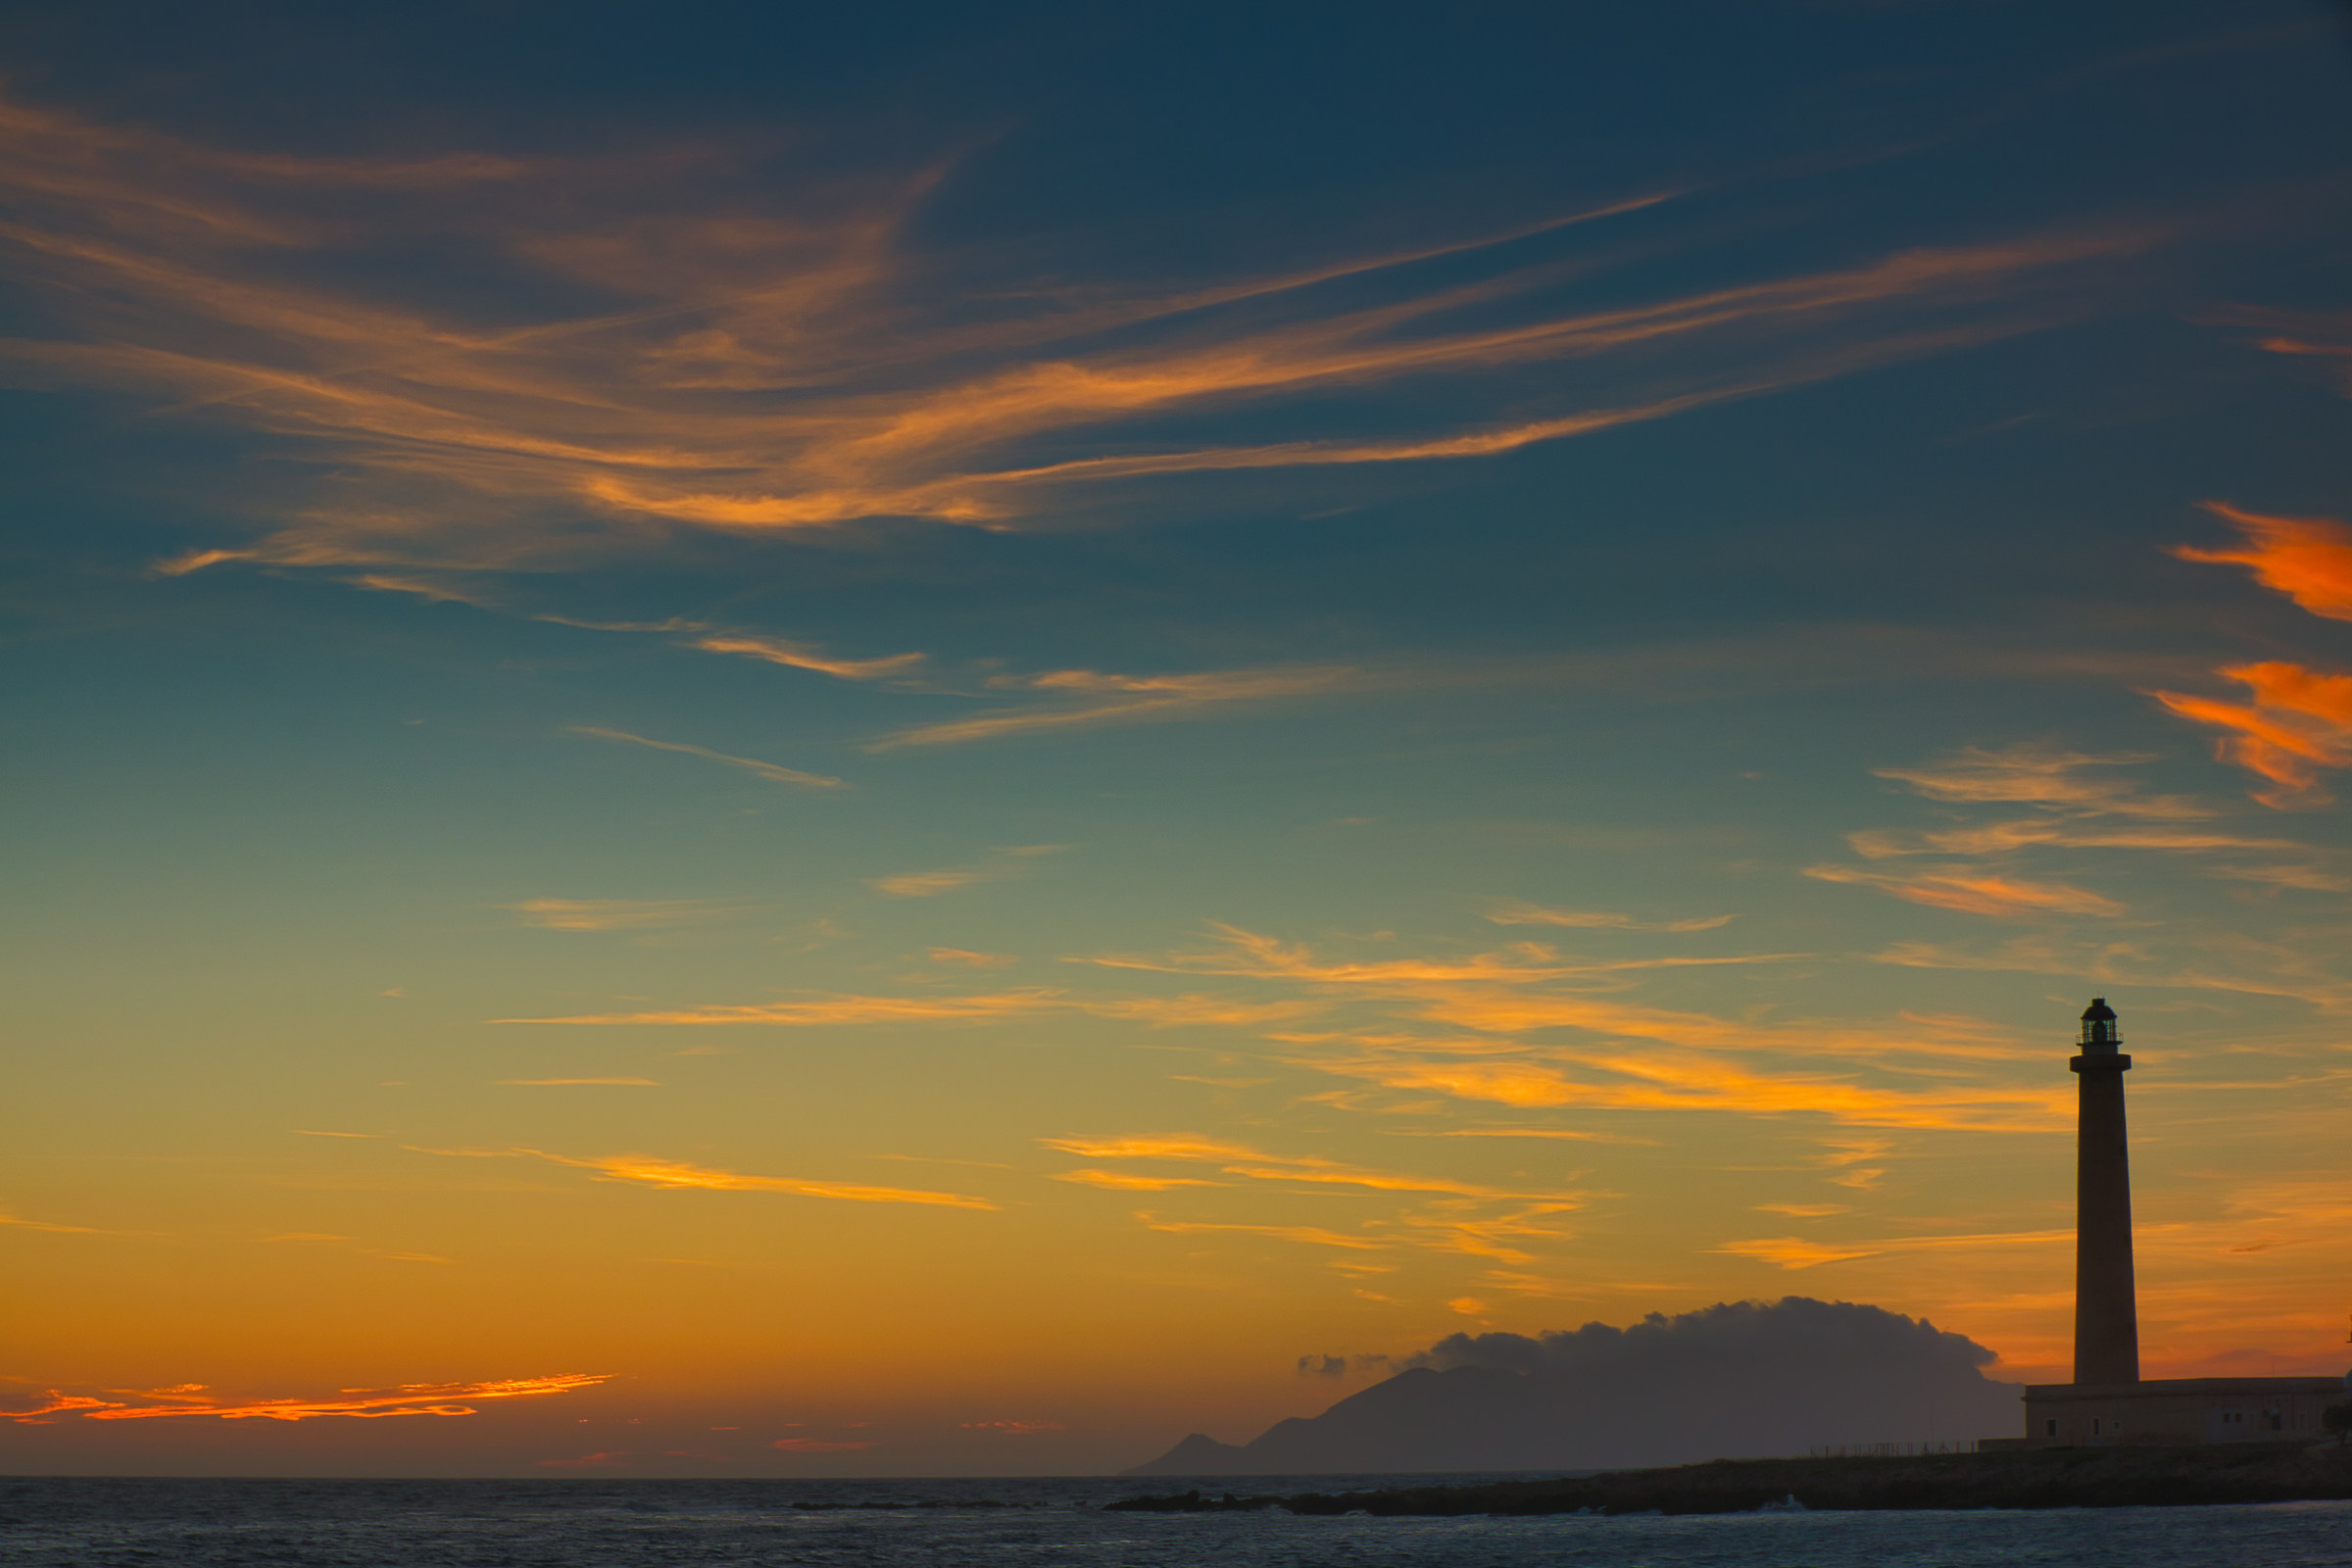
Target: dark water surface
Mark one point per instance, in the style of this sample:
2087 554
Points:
87 1523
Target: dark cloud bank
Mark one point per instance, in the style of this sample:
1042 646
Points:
1739 1380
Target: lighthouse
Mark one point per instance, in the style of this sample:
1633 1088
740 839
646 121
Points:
2106 1305
2109 1401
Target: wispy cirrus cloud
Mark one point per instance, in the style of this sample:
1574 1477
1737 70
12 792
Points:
1797 1253
2309 878
1237 1160
1986 867
1584 1079
1019 1002
1973 890
649 1170
2201 960
1125 1181
2298 723
2021 833
1083 698
1453 1216
1254 955
1001 865
619 915
805 656
14 1222
2044 775
833 1010
1506 993
761 366
968 958
1516 912
195 1400
774 773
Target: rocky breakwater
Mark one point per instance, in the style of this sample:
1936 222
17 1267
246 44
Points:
2050 1478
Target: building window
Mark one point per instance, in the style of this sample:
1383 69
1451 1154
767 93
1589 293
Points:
2052 1424
2277 1422
2094 1426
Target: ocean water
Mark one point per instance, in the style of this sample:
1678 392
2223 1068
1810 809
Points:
95 1523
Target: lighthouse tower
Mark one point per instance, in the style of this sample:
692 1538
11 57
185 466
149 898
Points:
2109 1401
2106 1305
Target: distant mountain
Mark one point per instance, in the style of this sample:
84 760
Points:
1739 1380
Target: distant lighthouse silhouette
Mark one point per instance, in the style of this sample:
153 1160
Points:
2109 1401
2106 1303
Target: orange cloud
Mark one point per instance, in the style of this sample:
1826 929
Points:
1160 1012
835 1011
1087 696
1485 1238
1518 913
1175 1012
806 369
2307 558
1522 964
1175 1146
1128 1182
800 655
649 1170
968 958
1001 866
1494 1010
409 1399
1250 954
823 1446
2044 776
617 914
2001 838
1974 891
2299 723
61 1230
1232 1159
1794 1253
2311 878
1687 1081
772 773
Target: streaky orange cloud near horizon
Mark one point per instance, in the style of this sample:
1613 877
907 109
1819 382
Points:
195 1400
647 1170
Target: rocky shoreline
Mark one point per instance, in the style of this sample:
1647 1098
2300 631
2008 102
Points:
2050 1478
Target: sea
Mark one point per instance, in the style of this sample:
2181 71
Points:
85 1522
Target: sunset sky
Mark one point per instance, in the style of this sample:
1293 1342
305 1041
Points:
789 740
